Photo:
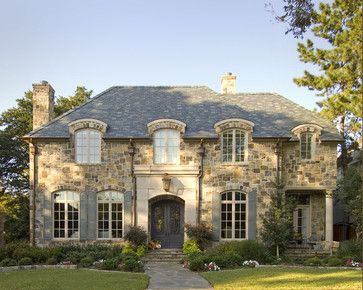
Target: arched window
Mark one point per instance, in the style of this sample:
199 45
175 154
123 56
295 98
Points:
88 146
233 215
110 215
65 215
166 146
234 147
306 145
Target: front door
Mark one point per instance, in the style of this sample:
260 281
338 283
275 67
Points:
167 223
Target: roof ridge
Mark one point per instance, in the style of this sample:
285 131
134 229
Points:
162 86
68 112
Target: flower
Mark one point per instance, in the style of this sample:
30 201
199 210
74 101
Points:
250 263
212 266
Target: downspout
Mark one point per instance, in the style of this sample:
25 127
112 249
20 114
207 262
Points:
278 152
201 152
131 150
33 186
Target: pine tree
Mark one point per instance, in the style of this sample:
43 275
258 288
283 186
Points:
340 68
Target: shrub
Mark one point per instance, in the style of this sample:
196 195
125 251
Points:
51 261
86 262
7 262
314 261
247 250
25 261
200 233
225 260
190 247
137 236
75 257
350 250
334 262
141 250
132 265
127 248
197 263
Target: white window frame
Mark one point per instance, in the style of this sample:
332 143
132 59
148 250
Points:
109 201
307 210
66 201
312 146
90 150
245 144
233 202
166 147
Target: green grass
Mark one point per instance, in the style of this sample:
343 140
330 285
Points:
62 279
285 278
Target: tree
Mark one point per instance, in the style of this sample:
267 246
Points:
277 222
340 65
14 157
297 14
349 191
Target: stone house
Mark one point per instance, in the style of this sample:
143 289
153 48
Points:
161 157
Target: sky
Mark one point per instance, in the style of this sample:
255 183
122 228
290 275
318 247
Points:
98 44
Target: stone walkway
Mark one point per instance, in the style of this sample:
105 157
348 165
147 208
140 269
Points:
174 276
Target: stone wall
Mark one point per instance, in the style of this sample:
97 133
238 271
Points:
57 170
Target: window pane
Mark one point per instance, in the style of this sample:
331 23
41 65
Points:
88 146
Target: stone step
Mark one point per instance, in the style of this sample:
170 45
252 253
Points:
164 255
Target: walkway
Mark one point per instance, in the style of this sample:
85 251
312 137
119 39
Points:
174 276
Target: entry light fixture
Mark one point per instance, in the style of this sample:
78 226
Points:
166 182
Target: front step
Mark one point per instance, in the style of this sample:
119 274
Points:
164 255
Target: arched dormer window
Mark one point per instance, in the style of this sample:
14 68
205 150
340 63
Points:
166 135
308 135
87 135
234 135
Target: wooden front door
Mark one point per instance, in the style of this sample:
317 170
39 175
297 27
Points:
167 223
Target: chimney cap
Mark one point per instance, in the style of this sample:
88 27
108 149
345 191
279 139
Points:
44 82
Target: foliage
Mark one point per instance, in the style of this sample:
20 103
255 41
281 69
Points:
14 182
51 261
349 192
62 279
200 233
334 262
86 262
25 261
338 27
300 278
297 14
7 262
313 261
137 236
190 247
196 263
132 265
141 250
247 250
277 222
350 250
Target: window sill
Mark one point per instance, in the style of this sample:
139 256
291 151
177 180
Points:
89 164
65 239
233 163
230 239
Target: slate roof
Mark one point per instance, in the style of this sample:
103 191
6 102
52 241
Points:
128 109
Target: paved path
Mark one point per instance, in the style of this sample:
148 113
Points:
174 276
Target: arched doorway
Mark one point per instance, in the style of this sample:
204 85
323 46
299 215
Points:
167 220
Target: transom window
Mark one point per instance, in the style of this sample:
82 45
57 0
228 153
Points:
166 146
306 146
234 146
88 146
110 215
66 215
233 215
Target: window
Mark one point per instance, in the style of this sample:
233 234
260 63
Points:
234 146
110 215
166 146
233 215
88 146
306 146
66 215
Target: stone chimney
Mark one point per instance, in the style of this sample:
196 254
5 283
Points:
228 82
43 104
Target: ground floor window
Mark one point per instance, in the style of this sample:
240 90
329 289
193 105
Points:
110 215
301 216
233 215
66 215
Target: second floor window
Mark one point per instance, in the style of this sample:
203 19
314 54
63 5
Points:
306 146
166 146
88 146
234 146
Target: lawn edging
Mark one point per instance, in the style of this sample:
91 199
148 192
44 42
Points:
304 267
31 267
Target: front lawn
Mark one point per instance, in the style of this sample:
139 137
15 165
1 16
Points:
62 279
285 278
